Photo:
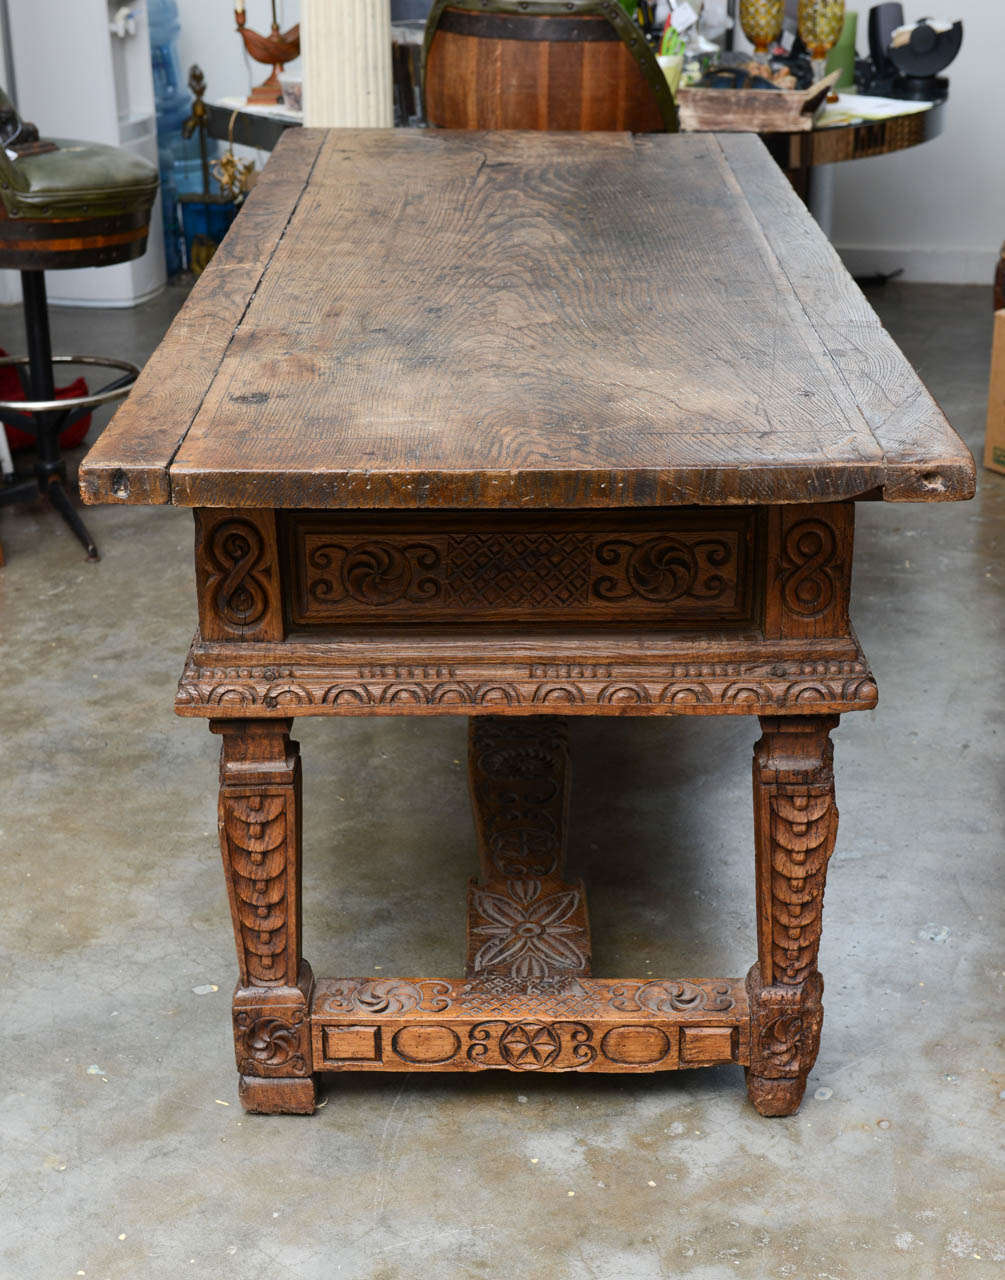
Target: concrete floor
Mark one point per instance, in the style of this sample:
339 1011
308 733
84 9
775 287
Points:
124 1153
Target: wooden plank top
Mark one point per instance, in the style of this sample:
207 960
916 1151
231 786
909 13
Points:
415 318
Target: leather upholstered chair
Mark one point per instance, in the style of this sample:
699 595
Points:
63 204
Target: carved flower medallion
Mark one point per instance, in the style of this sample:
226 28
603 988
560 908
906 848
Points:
526 933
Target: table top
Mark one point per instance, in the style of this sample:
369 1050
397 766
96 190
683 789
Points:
406 318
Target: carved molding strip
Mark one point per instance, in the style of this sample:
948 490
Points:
554 997
546 1024
666 689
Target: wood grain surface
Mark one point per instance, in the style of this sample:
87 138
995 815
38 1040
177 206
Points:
526 320
476 80
130 461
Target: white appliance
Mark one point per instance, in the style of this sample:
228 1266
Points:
82 70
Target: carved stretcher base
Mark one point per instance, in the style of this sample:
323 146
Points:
528 1001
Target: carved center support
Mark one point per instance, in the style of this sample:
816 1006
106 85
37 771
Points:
795 825
260 823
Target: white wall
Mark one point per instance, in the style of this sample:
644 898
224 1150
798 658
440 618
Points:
937 210
209 37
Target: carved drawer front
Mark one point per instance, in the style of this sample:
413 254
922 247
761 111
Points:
679 567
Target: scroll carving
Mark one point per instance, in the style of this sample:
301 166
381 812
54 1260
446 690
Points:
267 1044
701 566
662 569
374 573
237 575
810 551
810 557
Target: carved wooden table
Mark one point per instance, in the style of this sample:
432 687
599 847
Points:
520 426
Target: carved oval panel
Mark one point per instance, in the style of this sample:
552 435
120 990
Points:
635 1046
426 1044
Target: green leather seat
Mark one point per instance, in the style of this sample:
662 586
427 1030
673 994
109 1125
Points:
62 204
65 203
78 179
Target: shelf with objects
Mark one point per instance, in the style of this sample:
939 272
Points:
892 100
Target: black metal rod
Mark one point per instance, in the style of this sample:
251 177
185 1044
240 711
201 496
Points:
60 500
36 327
40 376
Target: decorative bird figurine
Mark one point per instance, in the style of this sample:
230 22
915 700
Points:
277 48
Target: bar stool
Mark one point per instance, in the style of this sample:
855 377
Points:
63 204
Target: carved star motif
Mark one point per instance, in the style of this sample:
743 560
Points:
529 1045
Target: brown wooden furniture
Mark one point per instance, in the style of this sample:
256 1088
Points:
799 153
522 426
542 64
752 110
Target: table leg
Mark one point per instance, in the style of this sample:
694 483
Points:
795 824
525 921
260 824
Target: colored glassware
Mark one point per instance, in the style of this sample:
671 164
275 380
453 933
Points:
762 24
820 25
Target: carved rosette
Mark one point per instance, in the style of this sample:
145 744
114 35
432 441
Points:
663 568
527 933
268 1044
785 1024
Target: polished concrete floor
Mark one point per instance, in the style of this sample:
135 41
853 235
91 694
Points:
123 1151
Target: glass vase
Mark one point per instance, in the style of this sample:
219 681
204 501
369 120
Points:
820 24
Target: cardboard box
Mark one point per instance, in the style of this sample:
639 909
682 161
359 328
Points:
994 444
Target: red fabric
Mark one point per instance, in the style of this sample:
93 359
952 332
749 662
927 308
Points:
10 389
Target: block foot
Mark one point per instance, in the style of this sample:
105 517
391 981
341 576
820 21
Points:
277 1095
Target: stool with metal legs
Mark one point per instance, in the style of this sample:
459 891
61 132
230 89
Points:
62 204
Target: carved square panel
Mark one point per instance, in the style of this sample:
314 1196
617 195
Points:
702 1045
352 1044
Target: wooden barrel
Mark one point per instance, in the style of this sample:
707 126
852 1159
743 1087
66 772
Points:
534 70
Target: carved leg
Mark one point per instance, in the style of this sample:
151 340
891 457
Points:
795 824
525 922
260 842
